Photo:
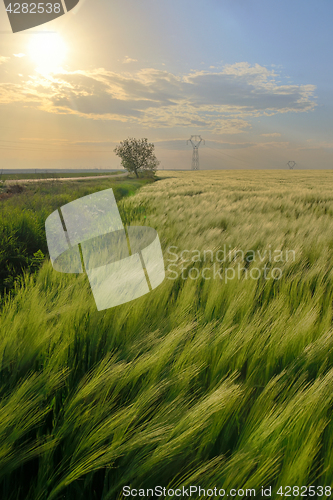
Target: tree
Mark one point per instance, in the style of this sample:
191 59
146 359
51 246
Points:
136 155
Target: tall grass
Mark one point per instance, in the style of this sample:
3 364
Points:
23 215
200 382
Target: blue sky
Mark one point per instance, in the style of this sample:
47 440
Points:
254 78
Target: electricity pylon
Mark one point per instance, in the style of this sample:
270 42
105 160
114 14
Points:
195 140
291 164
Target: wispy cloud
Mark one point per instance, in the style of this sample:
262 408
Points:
274 134
4 59
222 101
19 55
317 145
129 60
13 93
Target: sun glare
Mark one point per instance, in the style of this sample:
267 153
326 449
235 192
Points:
48 51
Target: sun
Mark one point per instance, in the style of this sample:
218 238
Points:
48 51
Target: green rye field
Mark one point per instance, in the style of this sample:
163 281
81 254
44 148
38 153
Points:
220 377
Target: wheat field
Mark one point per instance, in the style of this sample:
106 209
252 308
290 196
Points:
220 377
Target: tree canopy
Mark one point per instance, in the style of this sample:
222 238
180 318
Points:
137 155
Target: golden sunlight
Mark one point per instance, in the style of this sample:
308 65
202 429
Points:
48 51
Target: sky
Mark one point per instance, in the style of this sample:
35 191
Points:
252 77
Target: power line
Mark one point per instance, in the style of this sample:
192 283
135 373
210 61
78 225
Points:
24 142
230 156
43 142
58 150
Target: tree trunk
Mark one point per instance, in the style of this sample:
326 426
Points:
136 173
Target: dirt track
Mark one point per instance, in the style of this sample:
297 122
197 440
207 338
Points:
63 179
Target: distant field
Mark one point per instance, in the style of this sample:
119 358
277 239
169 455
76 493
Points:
23 211
220 377
48 175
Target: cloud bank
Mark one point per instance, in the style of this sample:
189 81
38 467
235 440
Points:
221 102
